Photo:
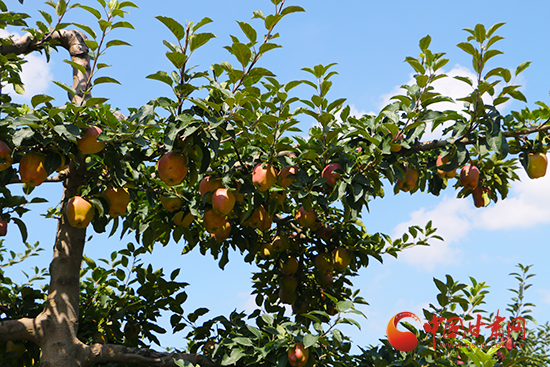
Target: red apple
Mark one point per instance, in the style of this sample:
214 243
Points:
537 164
441 161
31 169
213 222
5 155
298 355
479 197
330 175
118 198
396 147
171 203
264 176
325 232
408 182
469 176
283 178
223 201
79 212
223 233
184 221
3 227
305 219
208 185
172 168
88 144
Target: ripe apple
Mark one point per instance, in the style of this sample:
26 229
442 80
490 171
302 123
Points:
287 297
323 263
325 279
184 221
266 251
408 182
88 144
290 266
536 166
3 227
79 212
469 176
172 168
260 219
223 233
298 355
208 346
299 307
395 147
441 161
480 200
213 222
239 196
118 198
279 197
171 203
31 169
264 176
330 175
283 178
325 232
288 284
341 258
208 185
131 330
223 201
509 343
305 219
5 155
280 243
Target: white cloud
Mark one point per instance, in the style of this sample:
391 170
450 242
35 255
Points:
528 205
36 74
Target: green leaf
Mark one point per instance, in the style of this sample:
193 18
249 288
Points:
82 68
124 4
243 341
91 44
46 16
105 79
344 306
22 228
522 67
235 355
40 98
425 43
468 47
292 9
176 28
242 53
123 25
161 76
89 9
493 28
86 28
203 22
248 31
177 58
61 7
266 47
19 88
117 43
479 33
199 39
95 101
310 340
64 86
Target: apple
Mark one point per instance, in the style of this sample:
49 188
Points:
509 343
323 263
208 346
223 233
280 243
299 307
536 166
305 219
290 266
288 284
264 176
31 169
184 221
469 176
171 203
172 168
283 178
408 182
260 219
441 161
88 144
266 251
330 175
208 185
279 197
5 155
131 330
341 258
479 197
79 212
298 355
3 227
239 196
223 201
325 279
395 147
118 198
287 297
213 222
325 232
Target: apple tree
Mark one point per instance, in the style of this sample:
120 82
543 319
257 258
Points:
219 165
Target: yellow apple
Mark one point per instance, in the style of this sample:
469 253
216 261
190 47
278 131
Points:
32 170
79 212
5 155
118 198
88 144
306 219
264 176
408 182
537 164
172 168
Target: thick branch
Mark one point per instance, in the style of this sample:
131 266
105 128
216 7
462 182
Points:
103 353
22 329
73 41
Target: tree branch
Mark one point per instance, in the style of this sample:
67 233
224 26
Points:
22 329
103 353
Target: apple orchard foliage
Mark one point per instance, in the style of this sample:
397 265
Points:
231 171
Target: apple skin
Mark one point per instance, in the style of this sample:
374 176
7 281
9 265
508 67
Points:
208 185
477 195
88 144
283 178
323 263
5 154
223 201
172 168
184 221
118 198
325 232
306 219
290 266
298 355
79 212
213 222
469 176
264 176
3 227
223 233
408 182
537 164
395 147
266 252
441 161
31 169
260 219
280 243
509 344
330 175
171 203
279 197
341 258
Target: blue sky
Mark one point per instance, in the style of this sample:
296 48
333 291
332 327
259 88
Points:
369 41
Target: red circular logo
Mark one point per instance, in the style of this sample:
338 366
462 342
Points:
404 341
